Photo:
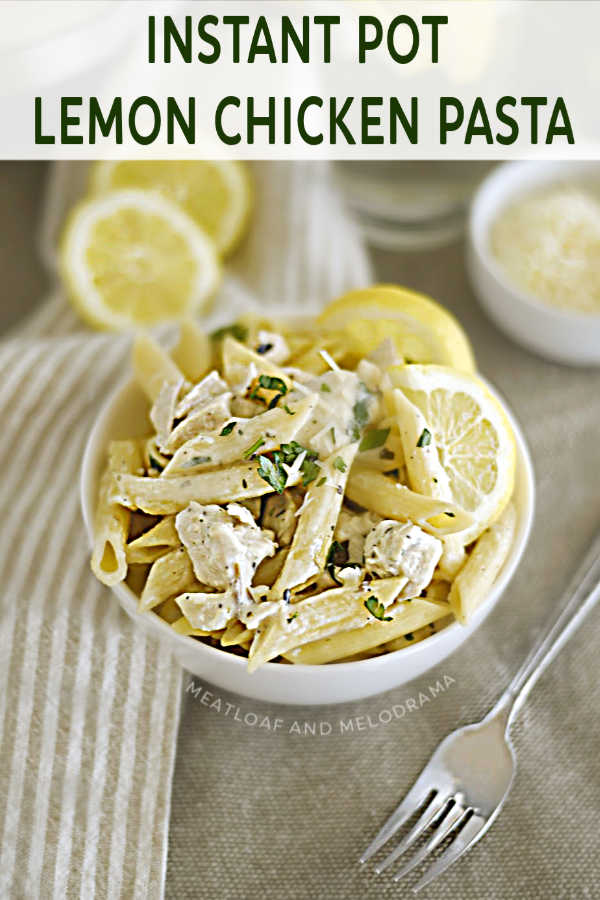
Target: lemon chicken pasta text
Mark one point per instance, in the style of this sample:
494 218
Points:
311 491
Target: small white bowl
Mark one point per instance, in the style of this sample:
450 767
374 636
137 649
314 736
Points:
560 335
125 415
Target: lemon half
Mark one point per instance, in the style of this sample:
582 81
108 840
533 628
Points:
216 194
422 330
134 258
472 433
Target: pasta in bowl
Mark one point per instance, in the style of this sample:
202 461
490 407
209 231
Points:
289 512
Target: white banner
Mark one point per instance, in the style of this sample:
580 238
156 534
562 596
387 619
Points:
291 80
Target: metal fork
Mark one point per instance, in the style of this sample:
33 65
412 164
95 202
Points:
464 785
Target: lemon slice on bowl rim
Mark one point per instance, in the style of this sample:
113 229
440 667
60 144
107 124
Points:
132 258
216 194
422 330
472 433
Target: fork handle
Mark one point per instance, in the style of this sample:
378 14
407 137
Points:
579 599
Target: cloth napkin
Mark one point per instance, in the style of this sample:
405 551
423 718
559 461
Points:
285 810
90 706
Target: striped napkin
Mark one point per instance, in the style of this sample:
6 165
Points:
90 707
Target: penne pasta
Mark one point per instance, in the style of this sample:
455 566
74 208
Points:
472 584
426 475
308 553
162 496
263 433
387 498
407 616
111 525
153 543
152 366
193 352
169 575
320 616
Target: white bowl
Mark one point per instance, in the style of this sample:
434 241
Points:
125 415
560 335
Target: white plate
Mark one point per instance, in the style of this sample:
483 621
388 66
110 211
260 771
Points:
125 415
560 335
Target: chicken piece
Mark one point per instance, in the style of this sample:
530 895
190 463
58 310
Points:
162 414
208 418
211 386
400 548
279 516
354 527
225 546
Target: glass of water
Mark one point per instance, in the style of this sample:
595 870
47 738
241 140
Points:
410 205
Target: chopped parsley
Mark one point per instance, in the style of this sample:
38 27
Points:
373 439
377 609
227 429
338 554
321 481
275 401
196 461
272 473
292 617
332 434
289 411
236 330
339 464
310 470
425 438
154 463
360 413
271 383
325 388
253 448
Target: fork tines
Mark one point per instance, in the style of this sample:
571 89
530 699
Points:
443 817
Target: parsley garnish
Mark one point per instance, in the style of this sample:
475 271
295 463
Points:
321 481
325 388
196 461
253 448
339 464
289 411
425 438
270 383
154 463
310 470
373 439
227 429
360 412
332 434
338 554
236 330
290 453
377 609
292 617
272 473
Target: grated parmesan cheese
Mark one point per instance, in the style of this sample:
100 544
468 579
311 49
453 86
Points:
549 244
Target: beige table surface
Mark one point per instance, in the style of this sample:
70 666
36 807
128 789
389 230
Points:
258 813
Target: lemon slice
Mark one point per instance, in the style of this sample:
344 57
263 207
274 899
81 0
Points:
134 258
217 195
423 331
473 436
